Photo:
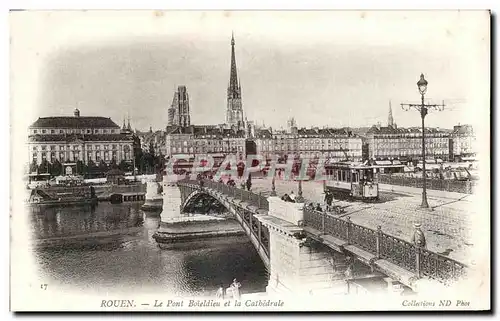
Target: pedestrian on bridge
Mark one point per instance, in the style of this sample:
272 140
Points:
419 237
220 292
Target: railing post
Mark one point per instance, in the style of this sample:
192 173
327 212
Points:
260 233
419 242
379 237
323 216
417 260
349 223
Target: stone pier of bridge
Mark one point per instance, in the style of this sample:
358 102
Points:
300 265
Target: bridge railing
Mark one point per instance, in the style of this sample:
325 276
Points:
256 227
384 246
257 200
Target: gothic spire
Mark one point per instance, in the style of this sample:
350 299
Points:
233 79
390 120
128 124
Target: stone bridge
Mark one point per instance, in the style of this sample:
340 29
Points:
316 252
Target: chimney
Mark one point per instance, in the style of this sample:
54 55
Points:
76 113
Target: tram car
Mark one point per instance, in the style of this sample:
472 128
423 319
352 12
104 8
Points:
352 180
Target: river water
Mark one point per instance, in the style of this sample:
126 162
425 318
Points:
109 249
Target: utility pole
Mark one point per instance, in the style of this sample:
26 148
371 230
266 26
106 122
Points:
423 110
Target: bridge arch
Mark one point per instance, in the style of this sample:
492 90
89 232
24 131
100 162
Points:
244 212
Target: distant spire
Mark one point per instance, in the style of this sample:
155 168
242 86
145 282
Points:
390 120
124 127
128 124
233 78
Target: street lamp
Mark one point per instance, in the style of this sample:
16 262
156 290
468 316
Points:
422 88
423 109
299 198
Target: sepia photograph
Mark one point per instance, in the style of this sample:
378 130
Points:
169 160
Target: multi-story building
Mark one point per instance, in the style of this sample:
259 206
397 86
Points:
406 143
216 141
156 139
463 143
79 138
330 143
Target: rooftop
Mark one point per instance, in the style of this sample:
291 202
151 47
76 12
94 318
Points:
82 137
74 122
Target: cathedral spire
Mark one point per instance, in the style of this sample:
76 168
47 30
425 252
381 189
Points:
233 79
390 120
128 124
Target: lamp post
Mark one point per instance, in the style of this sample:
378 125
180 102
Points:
423 109
422 88
299 198
273 192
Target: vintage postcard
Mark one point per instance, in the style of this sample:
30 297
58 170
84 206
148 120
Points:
250 160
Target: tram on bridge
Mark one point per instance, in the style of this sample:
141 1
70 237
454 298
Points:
352 180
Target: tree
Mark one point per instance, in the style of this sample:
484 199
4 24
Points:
124 166
80 167
44 167
103 167
33 167
151 150
56 168
113 164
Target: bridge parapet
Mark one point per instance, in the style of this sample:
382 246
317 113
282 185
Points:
287 211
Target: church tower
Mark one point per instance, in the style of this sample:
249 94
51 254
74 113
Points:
178 113
234 113
390 120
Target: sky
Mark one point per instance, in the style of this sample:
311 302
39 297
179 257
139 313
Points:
323 68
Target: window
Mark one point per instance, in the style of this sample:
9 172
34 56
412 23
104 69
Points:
88 131
52 131
114 147
61 131
34 148
105 131
112 131
96 131
43 131
35 131
52 147
44 147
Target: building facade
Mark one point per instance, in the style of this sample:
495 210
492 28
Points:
463 143
77 138
329 143
216 141
406 143
155 139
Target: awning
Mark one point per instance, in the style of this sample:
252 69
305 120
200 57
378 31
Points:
383 162
408 169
